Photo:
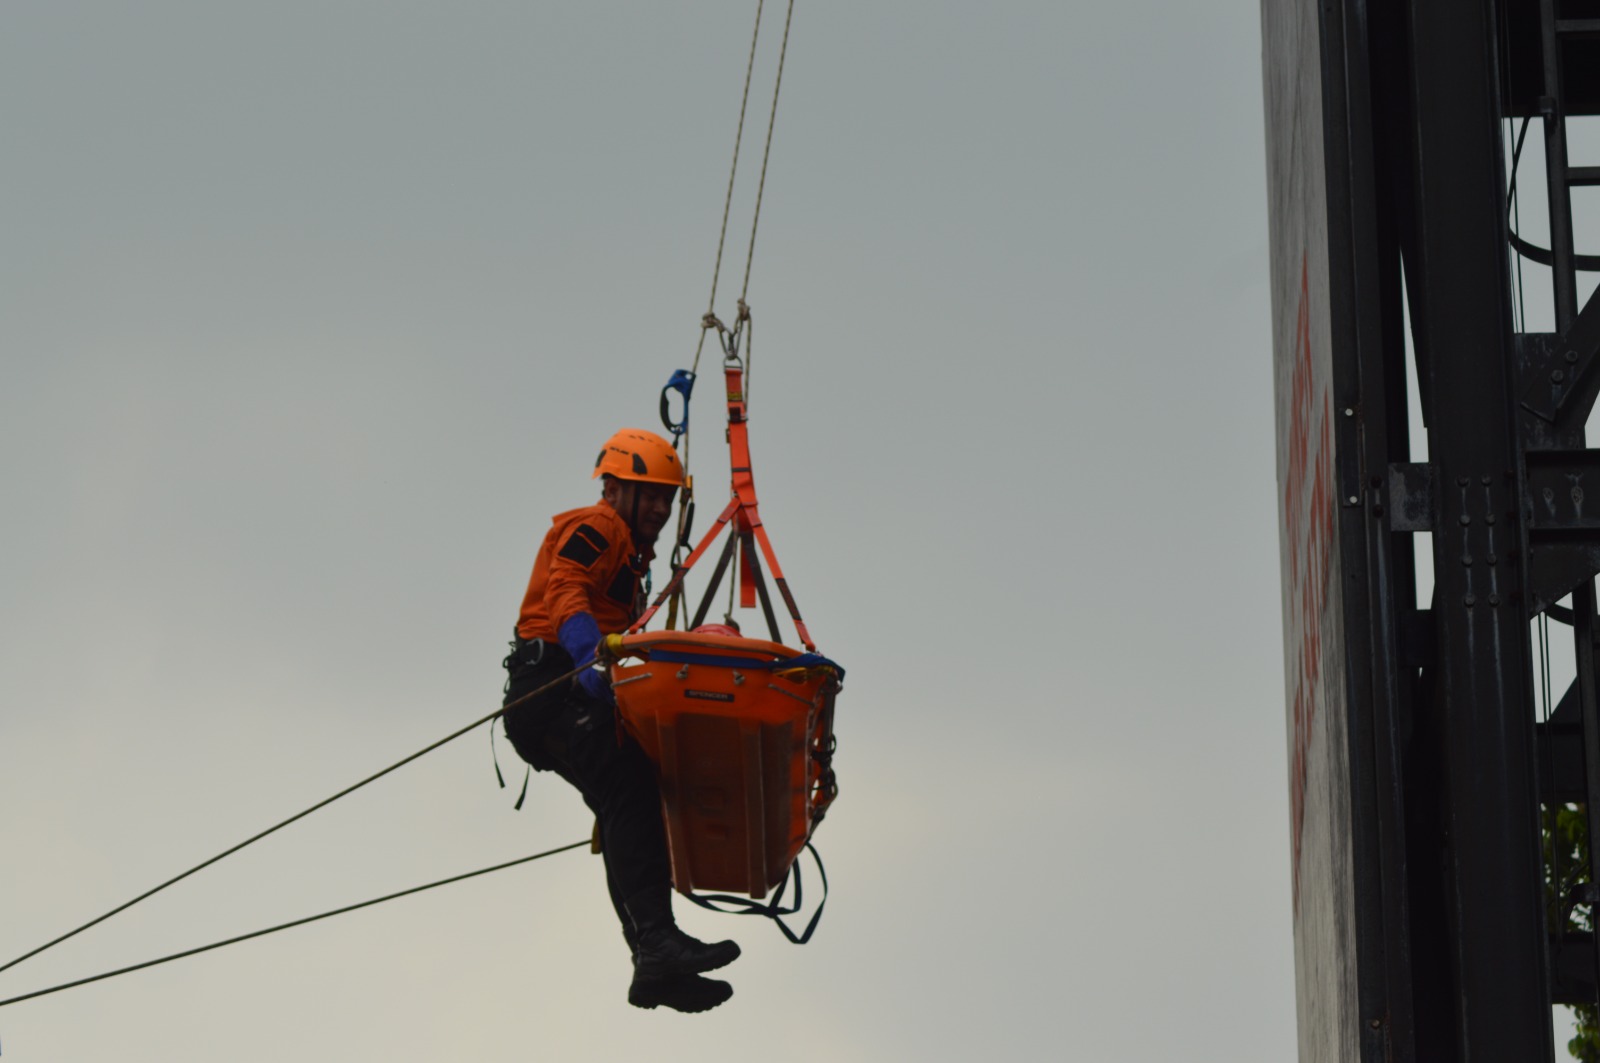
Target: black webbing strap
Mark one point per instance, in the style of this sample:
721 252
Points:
716 581
775 909
752 563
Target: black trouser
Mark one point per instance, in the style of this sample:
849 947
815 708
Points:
576 737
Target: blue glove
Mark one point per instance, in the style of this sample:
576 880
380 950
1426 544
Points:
597 686
579 636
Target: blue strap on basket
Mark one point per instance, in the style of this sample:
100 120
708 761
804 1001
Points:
804 660
811 660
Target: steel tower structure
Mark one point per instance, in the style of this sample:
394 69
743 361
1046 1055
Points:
1418 766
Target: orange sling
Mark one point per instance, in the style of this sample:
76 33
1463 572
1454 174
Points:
740 729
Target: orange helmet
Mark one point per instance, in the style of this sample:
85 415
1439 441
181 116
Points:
634 454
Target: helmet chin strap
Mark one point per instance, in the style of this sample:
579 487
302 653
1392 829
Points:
631 518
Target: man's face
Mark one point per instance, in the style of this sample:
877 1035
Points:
646 507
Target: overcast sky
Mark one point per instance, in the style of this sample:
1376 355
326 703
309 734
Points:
312 314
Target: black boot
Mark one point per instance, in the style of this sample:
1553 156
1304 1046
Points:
680 992
661 949
669 951
667 962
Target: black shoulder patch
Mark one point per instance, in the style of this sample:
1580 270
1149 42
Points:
584 545
623 587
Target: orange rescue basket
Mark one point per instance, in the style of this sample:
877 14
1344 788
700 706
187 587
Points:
742 732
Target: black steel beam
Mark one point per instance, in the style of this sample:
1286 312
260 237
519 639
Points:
1561 763
1555 147
1579 332
1372 426
1559 380
1572 961
1563 491
1523 80
1492 899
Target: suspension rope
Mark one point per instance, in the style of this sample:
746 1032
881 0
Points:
709 321
297 816
762 184
729 339
286 926
749 348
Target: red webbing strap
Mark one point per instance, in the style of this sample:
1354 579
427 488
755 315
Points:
744 514
744 482
747 572
744 489
683 570
783 588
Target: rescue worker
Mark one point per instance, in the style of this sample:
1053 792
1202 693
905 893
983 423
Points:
588 582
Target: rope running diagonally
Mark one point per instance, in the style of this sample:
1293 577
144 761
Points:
745 323
297 816
761 185
286 926
727 202
709 320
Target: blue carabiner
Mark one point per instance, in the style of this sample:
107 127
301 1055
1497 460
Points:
683 383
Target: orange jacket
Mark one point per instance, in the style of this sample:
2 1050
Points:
587 564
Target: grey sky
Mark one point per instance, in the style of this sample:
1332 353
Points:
311 314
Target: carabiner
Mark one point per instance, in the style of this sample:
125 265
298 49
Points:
683 383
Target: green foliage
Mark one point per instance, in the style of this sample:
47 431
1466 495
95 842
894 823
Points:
1566 865
1585 1044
